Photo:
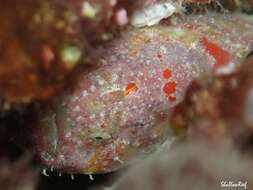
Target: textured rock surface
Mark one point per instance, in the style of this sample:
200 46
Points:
227 38
193 166
43 41
218 107
119 110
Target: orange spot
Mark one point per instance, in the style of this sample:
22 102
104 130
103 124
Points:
169 88
167 73
220 55
47 56
103 126
172 98
131 87
94 165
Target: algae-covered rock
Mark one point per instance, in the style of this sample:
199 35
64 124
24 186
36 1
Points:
119 110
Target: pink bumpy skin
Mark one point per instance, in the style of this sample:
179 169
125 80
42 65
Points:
119 110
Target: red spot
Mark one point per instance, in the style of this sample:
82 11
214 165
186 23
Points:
159 56
169 88
172 98
220 55
131 87
47 92
189 26
167 73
